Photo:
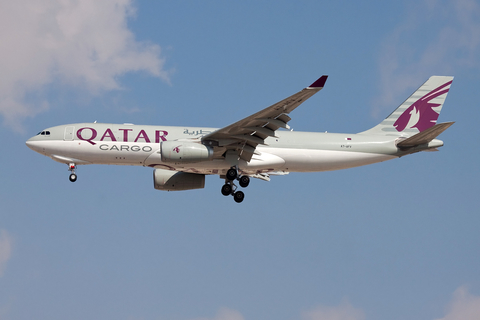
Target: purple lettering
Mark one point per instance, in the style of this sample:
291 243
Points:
125 134
142 134
108 133
160 134
94 135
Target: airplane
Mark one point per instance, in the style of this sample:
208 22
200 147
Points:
258 146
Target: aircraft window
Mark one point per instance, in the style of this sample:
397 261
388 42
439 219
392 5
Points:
47 132
43 133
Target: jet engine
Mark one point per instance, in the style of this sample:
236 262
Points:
185 152
168 180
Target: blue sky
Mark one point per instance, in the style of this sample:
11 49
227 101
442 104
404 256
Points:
395 240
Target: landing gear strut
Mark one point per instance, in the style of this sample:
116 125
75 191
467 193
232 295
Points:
71 168
229 188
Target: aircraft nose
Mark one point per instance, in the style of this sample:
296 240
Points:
34 145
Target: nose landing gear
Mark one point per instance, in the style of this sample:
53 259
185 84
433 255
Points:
229 188
71 168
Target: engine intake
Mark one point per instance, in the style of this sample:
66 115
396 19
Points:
176 181
185 152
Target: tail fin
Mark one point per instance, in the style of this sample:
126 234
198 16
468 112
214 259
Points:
419 112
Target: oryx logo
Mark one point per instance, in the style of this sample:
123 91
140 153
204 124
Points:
421 113
177 149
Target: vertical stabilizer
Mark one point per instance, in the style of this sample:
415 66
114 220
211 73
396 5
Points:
419 112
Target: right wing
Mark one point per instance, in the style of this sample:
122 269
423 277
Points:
243 136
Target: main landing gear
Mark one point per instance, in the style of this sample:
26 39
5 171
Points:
229 188
71 168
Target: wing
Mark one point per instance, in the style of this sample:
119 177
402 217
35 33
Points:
243 136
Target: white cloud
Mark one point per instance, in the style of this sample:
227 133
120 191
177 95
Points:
435 38
345 311
5 250
225 314
464 306
82 43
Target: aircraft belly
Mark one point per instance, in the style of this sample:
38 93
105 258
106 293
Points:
280 159
125 153
216 166
265 162
308 160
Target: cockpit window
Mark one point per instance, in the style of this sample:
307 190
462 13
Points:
43 133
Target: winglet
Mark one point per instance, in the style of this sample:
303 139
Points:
320 83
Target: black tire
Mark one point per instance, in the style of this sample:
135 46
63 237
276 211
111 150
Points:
238 196
244 181
73 177
226 189
231 174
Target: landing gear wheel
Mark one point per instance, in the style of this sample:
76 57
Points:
231 174
226 189
244 181
238 196
71 168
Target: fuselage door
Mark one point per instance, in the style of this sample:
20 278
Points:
69 133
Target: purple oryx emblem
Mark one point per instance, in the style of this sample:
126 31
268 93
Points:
420 114
177 149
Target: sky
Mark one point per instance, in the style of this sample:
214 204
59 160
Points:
394 240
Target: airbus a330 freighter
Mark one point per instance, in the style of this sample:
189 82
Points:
254 147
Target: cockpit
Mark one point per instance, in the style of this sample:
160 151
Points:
43 133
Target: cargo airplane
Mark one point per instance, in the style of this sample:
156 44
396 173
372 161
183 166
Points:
254 147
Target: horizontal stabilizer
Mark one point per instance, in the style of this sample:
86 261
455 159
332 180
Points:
425 136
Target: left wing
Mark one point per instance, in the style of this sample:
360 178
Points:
243 136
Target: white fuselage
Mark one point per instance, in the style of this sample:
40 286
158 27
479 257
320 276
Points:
95 143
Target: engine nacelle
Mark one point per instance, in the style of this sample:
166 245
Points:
185 152
168 180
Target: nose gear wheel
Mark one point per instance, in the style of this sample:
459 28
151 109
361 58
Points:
73 175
